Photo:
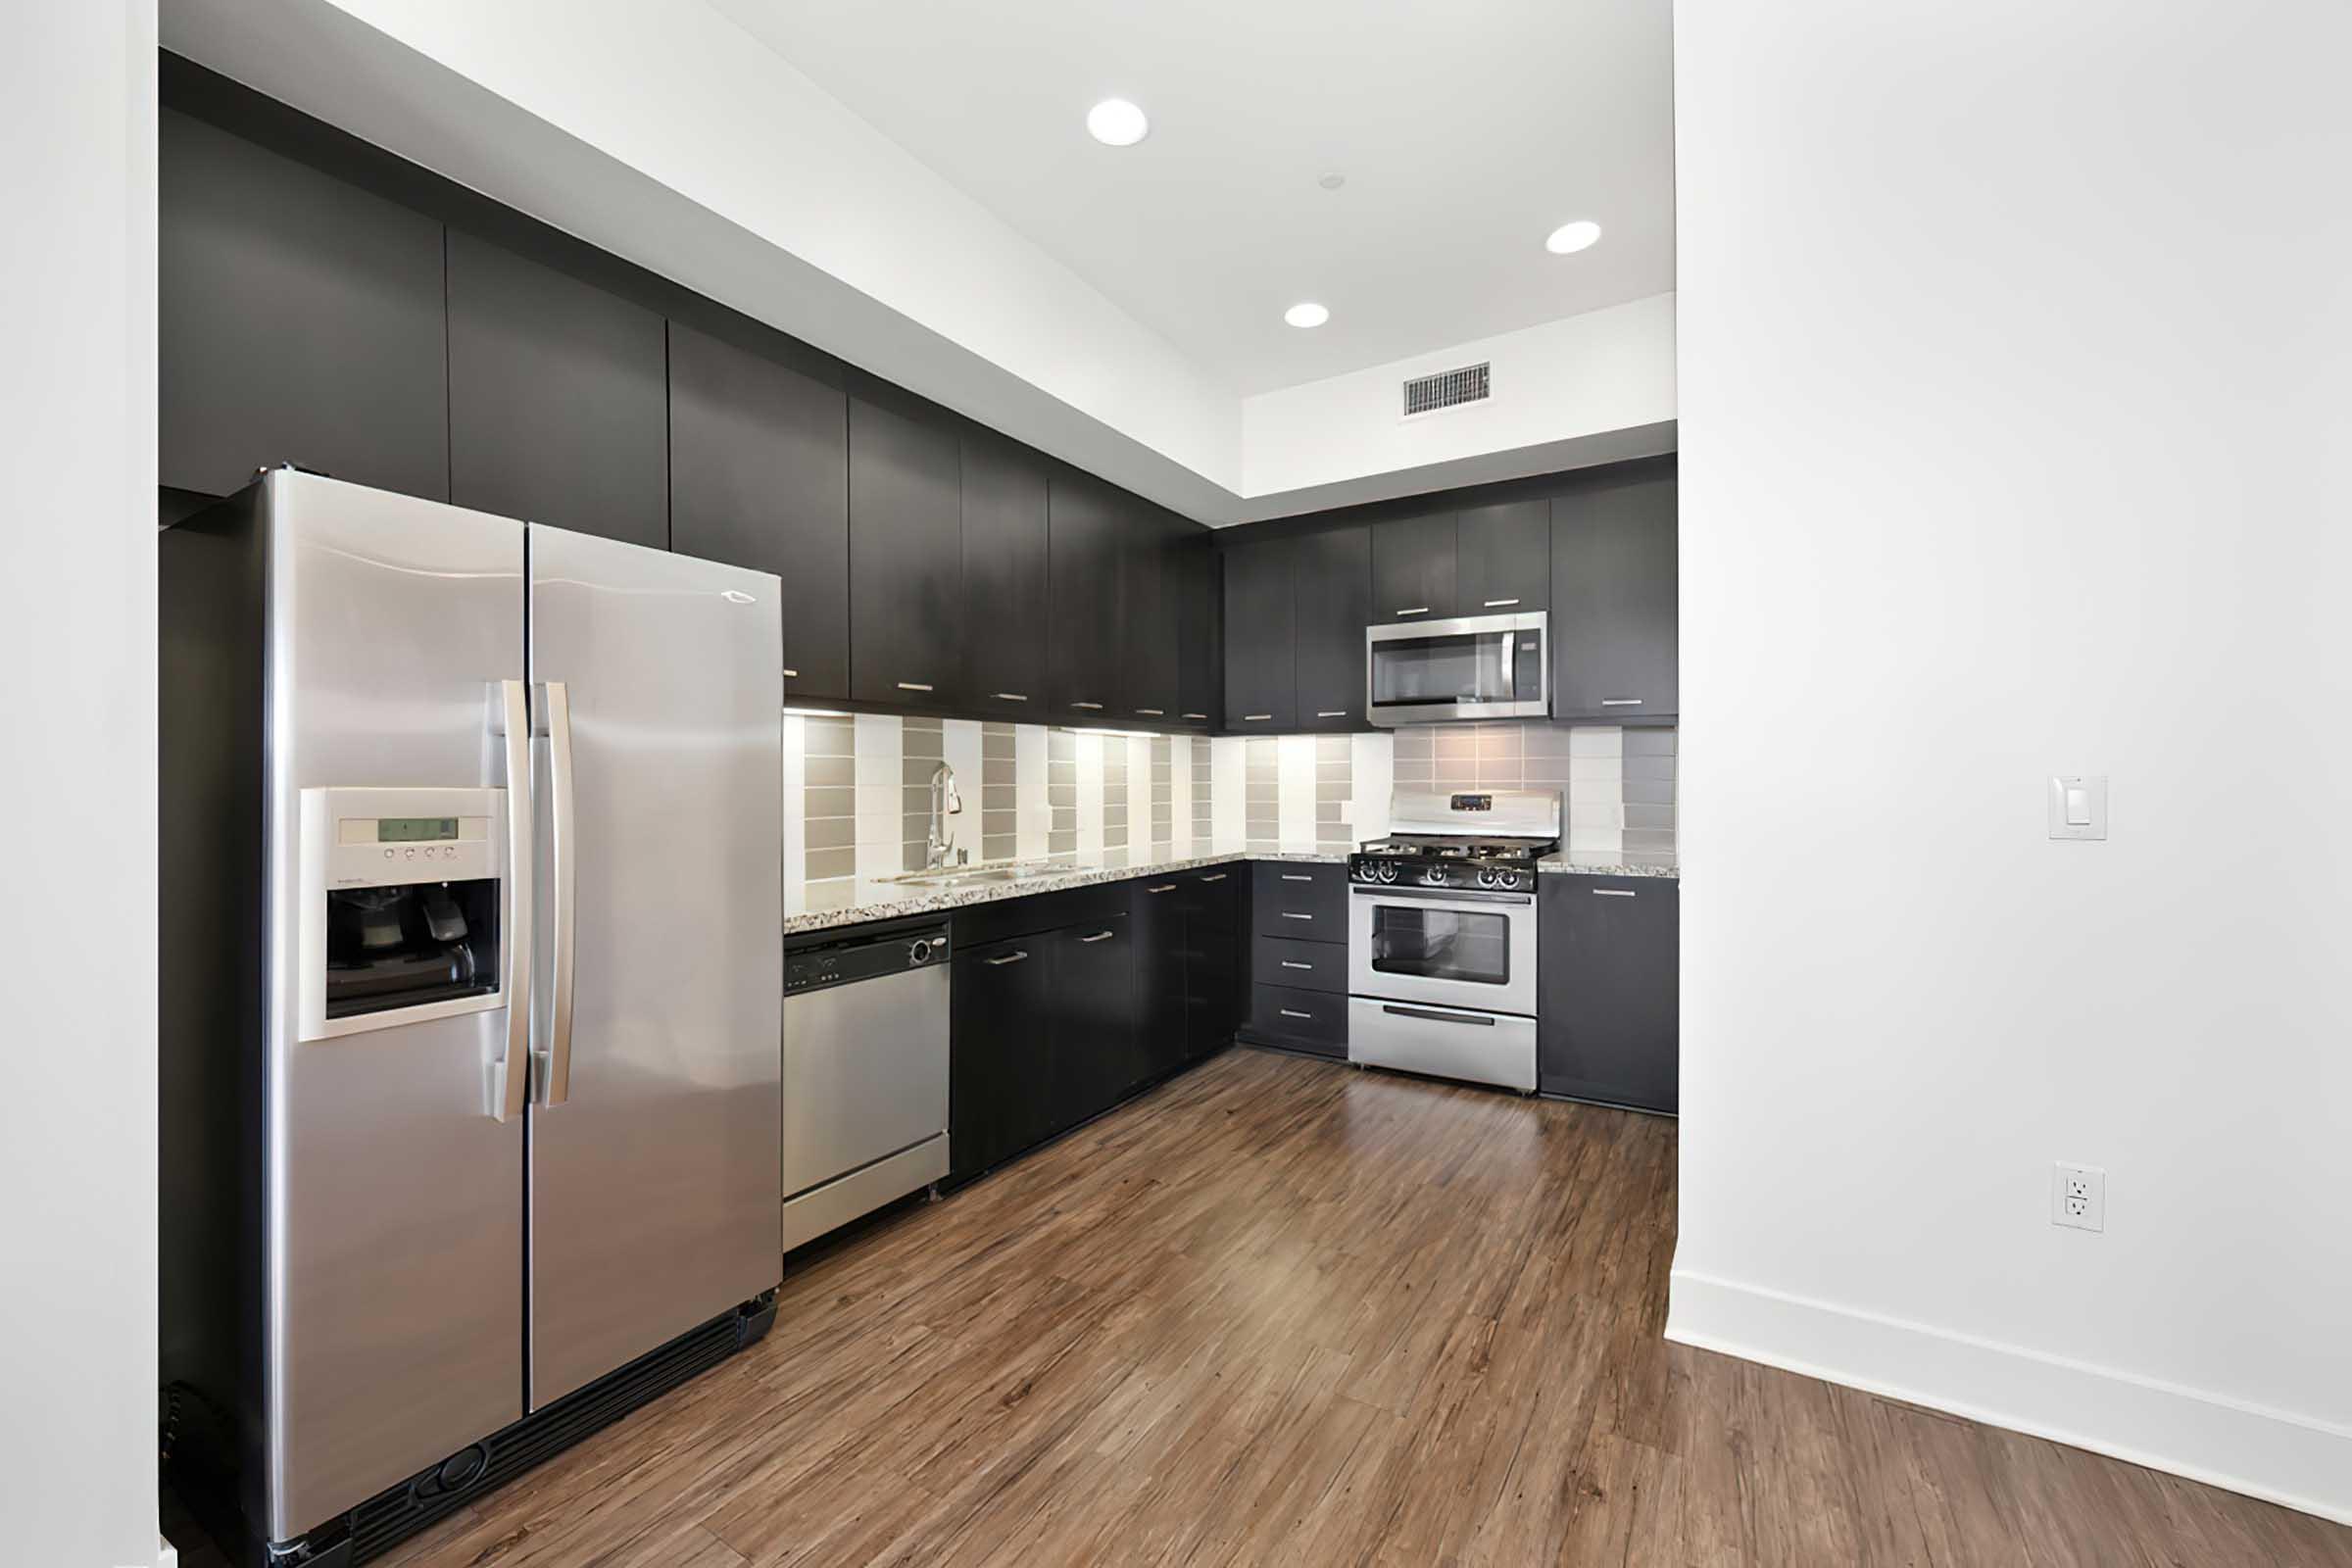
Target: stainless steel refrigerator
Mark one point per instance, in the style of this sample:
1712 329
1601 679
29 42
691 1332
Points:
471 897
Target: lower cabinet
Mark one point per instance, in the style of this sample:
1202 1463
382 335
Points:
1608 993
1299 958
1066 1002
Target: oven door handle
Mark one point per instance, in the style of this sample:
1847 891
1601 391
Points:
1447 895
1480 1019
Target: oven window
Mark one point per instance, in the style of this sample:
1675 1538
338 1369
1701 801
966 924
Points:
1488 667
1441 944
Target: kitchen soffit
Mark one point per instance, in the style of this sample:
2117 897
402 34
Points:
1466 132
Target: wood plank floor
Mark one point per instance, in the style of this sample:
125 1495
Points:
1283 1312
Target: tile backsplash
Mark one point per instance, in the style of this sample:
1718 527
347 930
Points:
856 798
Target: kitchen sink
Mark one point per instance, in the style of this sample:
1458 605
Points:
964 876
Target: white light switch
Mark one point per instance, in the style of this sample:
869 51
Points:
2078 806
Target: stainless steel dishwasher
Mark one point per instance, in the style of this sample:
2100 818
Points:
865 1073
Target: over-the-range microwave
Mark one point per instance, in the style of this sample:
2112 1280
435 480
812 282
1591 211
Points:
1445 671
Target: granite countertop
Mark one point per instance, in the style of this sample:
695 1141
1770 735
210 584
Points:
823 906
1589 865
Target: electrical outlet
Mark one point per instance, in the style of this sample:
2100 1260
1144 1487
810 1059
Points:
2078 1196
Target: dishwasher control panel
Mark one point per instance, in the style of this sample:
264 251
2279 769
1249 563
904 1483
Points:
863 957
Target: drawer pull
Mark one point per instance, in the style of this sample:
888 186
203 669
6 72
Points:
1164 887
1009 958
1293 914
1297 876
1293 964
1092 707
1203 718
1501 604
1433 1016
1099 936
1331 713
1417 609
1256 718
1153 713
1293 1012
914 685
1613 893
1621 702
792 674
1219 878
1012 697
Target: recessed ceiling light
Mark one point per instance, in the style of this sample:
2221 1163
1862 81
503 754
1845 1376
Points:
1331 181
1306 314
1117 122
1569 238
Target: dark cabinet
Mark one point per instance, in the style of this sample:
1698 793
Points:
758 477
1164 953
1006 578
1260 638
1093 1020
1298 914
1087 529
559 403
1608 999
905 551
299 319
1330 591
999 1090
1502 557
1216 984
1148 616
1413 568
1200 649
1613 623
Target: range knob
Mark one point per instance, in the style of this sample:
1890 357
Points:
1507 879
1435 877
1485 876
1387 870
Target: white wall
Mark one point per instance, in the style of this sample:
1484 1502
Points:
2016 378
77 1485
1582 379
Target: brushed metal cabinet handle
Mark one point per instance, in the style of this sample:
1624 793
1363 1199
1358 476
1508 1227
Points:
1417 609
1092 707
1501 604
792 674
1011 697
1009 958
1099 936
1614 893
1203 718
1473 1018
1219 878
1164 887
1296 876
1153 713
1293 915
915 686
1331 713
1293 964
1293 1012
1256 718
1621 702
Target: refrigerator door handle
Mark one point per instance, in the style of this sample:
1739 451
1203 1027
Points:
510 1077
563 834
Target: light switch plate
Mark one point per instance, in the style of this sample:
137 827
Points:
2077 806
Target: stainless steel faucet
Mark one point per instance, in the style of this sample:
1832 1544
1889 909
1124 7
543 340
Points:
945 802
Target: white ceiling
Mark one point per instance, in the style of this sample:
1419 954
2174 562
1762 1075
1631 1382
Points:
1467 130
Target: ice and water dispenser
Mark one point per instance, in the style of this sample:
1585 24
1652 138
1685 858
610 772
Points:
405 906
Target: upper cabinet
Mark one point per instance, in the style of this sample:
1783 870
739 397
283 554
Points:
758 467
906 550
1089 523
1260 638
1613 599
1007 577
1502 557
1331 588
1148 616
299 320
557 398
1200 643
1413 571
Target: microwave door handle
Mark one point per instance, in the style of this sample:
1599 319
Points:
564 839
510 1076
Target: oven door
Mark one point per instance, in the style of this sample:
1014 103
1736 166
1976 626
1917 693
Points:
1455 947
1440 671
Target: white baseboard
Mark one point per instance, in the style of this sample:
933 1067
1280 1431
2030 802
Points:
2296 1461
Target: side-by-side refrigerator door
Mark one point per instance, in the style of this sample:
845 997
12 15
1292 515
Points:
655 1182
398 932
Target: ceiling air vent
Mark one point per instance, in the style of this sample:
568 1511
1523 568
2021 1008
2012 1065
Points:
1447 389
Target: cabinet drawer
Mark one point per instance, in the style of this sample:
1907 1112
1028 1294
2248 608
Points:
1312 1020
1304 966
1302 901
